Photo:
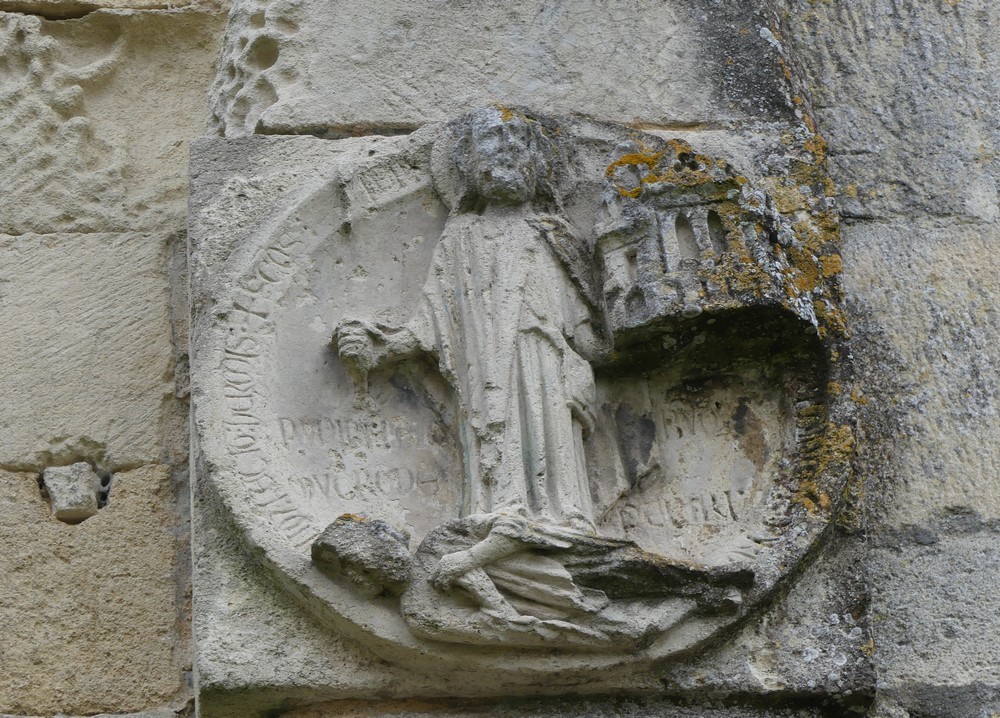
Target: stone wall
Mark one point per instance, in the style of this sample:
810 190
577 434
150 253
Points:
875 119
99 105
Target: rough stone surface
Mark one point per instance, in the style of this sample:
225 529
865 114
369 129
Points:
370 553
72 9
96 114
344 68
595 708
89 611
73 491
303 198
255 648
98 99
948 446
935 617
912 135
88 372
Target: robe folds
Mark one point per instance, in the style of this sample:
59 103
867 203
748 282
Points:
503 315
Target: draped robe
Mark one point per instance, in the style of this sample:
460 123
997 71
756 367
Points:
501 312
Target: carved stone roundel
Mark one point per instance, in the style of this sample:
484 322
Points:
515 387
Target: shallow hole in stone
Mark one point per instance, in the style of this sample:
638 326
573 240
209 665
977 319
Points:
263 52
42 489
104 495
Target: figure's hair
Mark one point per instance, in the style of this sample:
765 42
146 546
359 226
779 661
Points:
545 152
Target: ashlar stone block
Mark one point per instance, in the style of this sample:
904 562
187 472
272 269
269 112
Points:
90 611
341 68
95 115
87 369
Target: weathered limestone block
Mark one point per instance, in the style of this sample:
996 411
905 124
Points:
929 290
89 611
95 114
342 68
698 462
87 366
912 132
71 9
935 614
911 122
580 708
73 491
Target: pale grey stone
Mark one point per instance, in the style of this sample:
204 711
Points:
934 618
369 553
95 115
73 491
367 234
343 68
90 374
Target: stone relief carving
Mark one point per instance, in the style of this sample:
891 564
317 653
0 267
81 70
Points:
516 382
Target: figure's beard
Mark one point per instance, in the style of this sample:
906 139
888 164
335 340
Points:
506 185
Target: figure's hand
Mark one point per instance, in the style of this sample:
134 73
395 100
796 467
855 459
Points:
360 344
584 415
452 567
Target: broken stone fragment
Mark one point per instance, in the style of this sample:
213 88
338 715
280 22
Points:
73 491
369 553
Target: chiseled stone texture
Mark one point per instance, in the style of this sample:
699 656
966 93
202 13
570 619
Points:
87 366
935 610
913 128
931 289
294 66
911 120
89 611
95 114
70 9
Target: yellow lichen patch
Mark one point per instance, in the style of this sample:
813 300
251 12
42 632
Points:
506 113
851 190
787 197
812 498
816 144
858 398
785 70
634 159
832 265
807 275
831 316
834 389
824 457
680 166
868 648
